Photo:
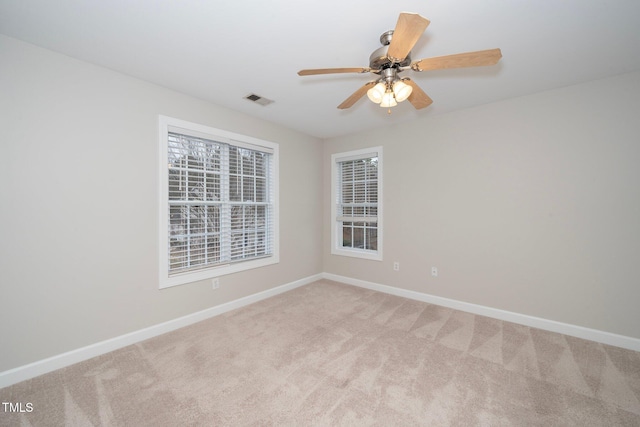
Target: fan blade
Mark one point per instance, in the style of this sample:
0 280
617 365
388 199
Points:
332 71
356 96
460 60
408 30
418 98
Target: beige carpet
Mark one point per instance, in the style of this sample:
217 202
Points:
332 354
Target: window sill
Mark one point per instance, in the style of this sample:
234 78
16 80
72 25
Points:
355 253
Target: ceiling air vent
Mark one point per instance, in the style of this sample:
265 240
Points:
258 99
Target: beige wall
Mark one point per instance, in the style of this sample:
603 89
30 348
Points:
79 205
530 205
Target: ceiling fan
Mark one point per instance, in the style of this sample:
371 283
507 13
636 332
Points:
394 57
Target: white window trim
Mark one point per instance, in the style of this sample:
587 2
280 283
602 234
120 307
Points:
336 227
167 124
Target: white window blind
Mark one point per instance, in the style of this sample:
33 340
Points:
219 202
357 211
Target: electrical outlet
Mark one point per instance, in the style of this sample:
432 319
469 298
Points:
396 266
434 271
215 283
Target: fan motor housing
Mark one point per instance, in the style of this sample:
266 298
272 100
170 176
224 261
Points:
379 59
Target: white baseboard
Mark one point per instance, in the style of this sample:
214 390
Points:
22 373
40 367
522 319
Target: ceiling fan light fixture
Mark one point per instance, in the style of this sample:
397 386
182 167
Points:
394 57
388 100
401 90
376 93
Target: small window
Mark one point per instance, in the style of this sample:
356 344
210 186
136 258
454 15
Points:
218 207
356 182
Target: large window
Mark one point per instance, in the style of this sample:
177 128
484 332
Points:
356 203
218 207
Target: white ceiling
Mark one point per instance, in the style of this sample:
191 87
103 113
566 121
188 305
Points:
222 51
